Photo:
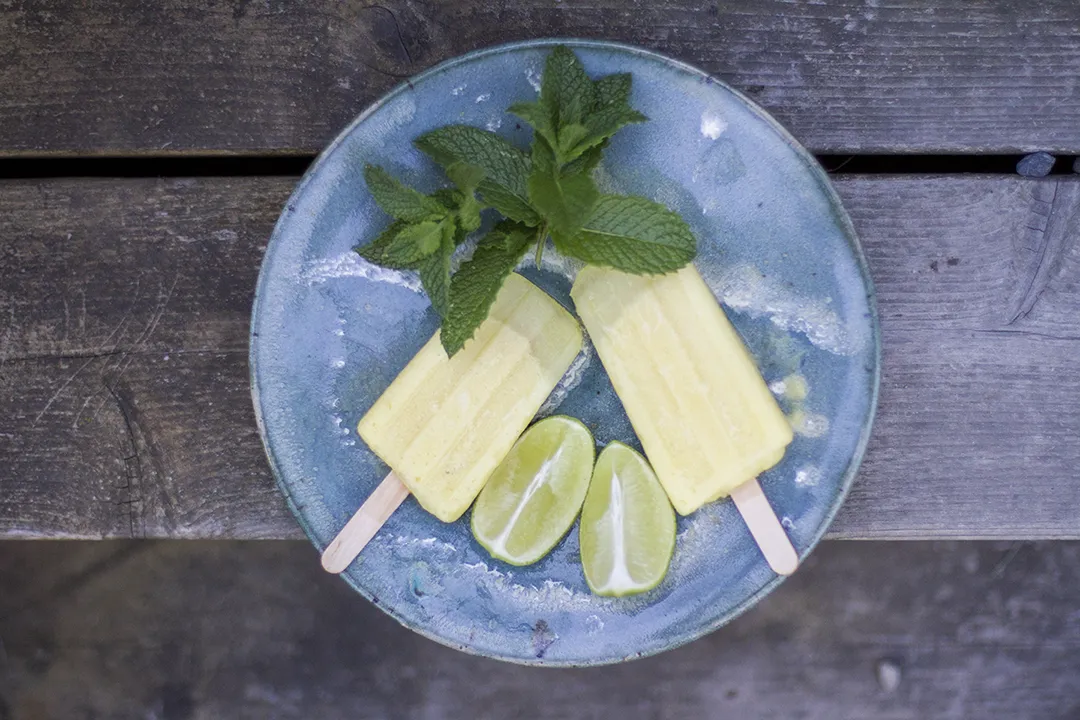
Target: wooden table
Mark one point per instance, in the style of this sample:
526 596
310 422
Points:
147 148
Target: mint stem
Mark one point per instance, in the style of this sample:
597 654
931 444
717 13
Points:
541 241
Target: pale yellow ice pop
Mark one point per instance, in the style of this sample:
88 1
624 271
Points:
694 395
444 424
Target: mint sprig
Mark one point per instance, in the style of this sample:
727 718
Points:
546 192
479 279
401 201
563 199
426 229
574 113
572 119
435 271
506 169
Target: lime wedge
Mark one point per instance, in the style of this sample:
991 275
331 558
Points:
627 525
534 495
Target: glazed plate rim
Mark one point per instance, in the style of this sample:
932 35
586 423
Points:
675 640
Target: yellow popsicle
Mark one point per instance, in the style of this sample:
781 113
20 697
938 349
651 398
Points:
693 393
444 424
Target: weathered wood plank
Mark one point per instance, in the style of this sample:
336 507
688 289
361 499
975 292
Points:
123 359
977 434
892 631
124 77
124 406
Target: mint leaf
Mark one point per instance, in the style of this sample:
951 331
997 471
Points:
465 175
539 116
612 90
565 201
375 251
587 161
574 113
403 245
477 281
435 271
604 123
468 210
598 128
469 214
632 234
449 197
421 239
569 138
565 89
505 167
398 200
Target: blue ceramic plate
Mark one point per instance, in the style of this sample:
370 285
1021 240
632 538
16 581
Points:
329 333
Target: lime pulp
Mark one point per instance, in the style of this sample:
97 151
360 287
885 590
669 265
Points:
627 525
533 497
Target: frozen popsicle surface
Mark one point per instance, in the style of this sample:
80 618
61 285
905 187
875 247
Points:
444 424
695 397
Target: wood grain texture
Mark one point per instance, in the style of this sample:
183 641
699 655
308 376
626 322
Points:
129 77
890 631
977 432
123 359
125 410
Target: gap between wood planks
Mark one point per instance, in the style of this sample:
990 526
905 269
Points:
23 168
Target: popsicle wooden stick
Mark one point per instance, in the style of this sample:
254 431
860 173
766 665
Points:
765 527
371 516
751 502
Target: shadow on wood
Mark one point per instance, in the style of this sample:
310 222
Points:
183 630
